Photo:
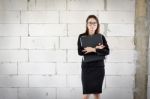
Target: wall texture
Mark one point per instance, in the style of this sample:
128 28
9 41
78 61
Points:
149 49
38 47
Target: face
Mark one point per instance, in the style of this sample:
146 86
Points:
92 25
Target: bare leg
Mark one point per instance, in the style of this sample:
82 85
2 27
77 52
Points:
97 96
85 96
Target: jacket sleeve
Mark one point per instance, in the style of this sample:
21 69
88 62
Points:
105 50
80 48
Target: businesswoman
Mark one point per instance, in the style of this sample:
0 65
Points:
93 72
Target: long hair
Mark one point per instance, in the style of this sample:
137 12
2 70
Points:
98 25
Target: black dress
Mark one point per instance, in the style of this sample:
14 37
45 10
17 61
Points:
93 73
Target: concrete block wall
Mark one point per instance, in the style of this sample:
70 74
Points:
38 47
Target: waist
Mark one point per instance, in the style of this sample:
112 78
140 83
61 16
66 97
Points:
95 64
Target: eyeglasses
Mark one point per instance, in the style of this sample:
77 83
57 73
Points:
92 23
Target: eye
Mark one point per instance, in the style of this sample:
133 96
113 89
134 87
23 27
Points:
92 23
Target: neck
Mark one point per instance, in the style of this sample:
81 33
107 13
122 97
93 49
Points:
91 32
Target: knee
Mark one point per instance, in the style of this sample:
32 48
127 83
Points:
85 96
96 95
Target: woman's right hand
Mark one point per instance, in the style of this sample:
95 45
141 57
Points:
100 46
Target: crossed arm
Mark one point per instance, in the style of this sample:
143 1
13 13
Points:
101 49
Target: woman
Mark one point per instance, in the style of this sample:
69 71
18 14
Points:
92 72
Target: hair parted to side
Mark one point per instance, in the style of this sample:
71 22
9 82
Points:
98 25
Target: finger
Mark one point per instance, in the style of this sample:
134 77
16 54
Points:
83 50
86 52
102 45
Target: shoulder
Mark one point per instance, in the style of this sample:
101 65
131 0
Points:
103 37
82 34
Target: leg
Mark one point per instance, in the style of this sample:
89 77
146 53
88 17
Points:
97 96
85 96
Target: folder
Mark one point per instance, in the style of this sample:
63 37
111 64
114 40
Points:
91 41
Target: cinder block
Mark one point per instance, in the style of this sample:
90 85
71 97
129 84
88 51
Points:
39 17
14 81
47 81
8 93
72 56
37 93
13 55
117 93
74 81
47 55
36 68
76 29
47 5
121 43
119 5
116 17
85 5
120 30
48 30
68 68
75 16
13 30
9 17
122 56
10 42
13 5
8 68
69 93
68 42
39 42
120 68
120 81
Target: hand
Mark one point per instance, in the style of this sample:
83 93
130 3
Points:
89 49
100 46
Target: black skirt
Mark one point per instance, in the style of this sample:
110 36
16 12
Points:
92 77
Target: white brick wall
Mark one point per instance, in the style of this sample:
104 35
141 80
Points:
47 81
37 93
47 30
14 81
10 42
75 16
39 17
120 30
68 68
84 5
13 5
117 93
39 43
9 17
13 55
8 93
121 5
69 93
36 68
8 68
47 5
38 47
116 17
13 30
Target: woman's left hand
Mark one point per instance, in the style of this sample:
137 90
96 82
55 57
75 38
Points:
89 49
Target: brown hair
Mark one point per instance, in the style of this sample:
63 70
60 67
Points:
97 30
